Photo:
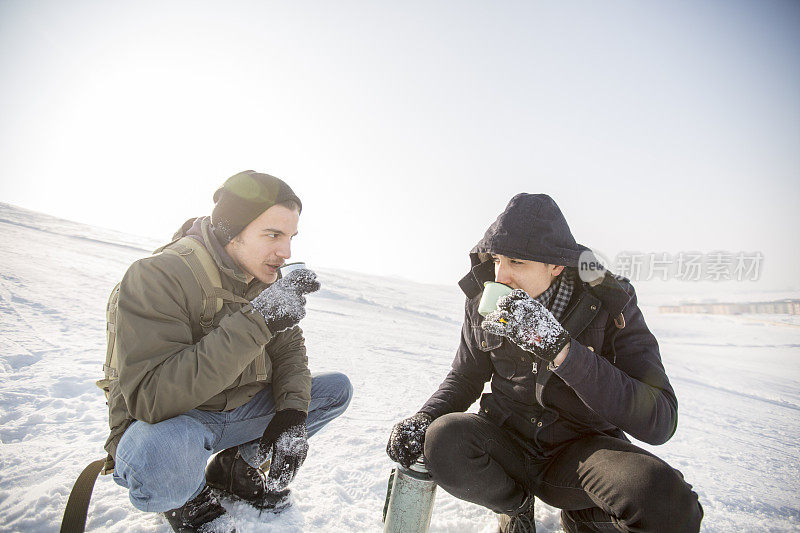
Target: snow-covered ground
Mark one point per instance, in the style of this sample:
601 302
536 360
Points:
737 380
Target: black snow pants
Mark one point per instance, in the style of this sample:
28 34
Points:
601 483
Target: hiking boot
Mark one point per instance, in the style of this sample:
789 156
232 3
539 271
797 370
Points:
230 473
196 514
521 521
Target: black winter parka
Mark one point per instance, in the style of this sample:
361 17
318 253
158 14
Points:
612 380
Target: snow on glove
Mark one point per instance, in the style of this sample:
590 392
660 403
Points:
282 304
288 454
286 437
407 438
528 324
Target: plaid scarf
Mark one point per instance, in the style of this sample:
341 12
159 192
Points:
558 294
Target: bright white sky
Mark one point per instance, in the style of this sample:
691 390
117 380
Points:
405 127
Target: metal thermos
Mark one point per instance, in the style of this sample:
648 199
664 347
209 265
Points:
410 501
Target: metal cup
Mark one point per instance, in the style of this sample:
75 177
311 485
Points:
288 268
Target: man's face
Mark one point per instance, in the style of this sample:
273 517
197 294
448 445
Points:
265 244
530 276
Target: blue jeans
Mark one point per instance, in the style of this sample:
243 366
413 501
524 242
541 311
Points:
163 465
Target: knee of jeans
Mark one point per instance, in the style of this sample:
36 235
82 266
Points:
341 388
446 444
160 473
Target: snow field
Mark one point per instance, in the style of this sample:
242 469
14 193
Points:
737 380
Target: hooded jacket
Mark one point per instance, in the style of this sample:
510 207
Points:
168 367
612 381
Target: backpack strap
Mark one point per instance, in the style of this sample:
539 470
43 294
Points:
74 519
206 272
110 366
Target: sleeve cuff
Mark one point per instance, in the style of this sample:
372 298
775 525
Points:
294 404
261 332
573 368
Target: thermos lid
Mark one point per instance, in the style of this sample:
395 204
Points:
419 466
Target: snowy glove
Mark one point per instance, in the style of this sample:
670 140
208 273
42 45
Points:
282 304
286 437
407 438
528 324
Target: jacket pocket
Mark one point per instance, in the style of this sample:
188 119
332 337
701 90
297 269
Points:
489 342
592 337
485 341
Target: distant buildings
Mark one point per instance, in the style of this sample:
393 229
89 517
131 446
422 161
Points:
778 307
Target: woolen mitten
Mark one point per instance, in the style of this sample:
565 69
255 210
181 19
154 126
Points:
282 304
286 439
528 324
408 438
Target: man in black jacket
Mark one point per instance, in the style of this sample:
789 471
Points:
573 367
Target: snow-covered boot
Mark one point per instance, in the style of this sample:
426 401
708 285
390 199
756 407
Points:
521 521
197 514
231 474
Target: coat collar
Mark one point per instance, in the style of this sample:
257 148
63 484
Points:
472 283
201 230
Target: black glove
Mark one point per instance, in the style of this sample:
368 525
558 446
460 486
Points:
528 324
286 437
407 439
282 304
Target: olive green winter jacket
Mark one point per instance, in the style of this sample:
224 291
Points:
167 367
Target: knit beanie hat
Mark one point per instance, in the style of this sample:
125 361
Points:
242 198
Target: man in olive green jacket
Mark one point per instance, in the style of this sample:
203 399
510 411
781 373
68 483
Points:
239 385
